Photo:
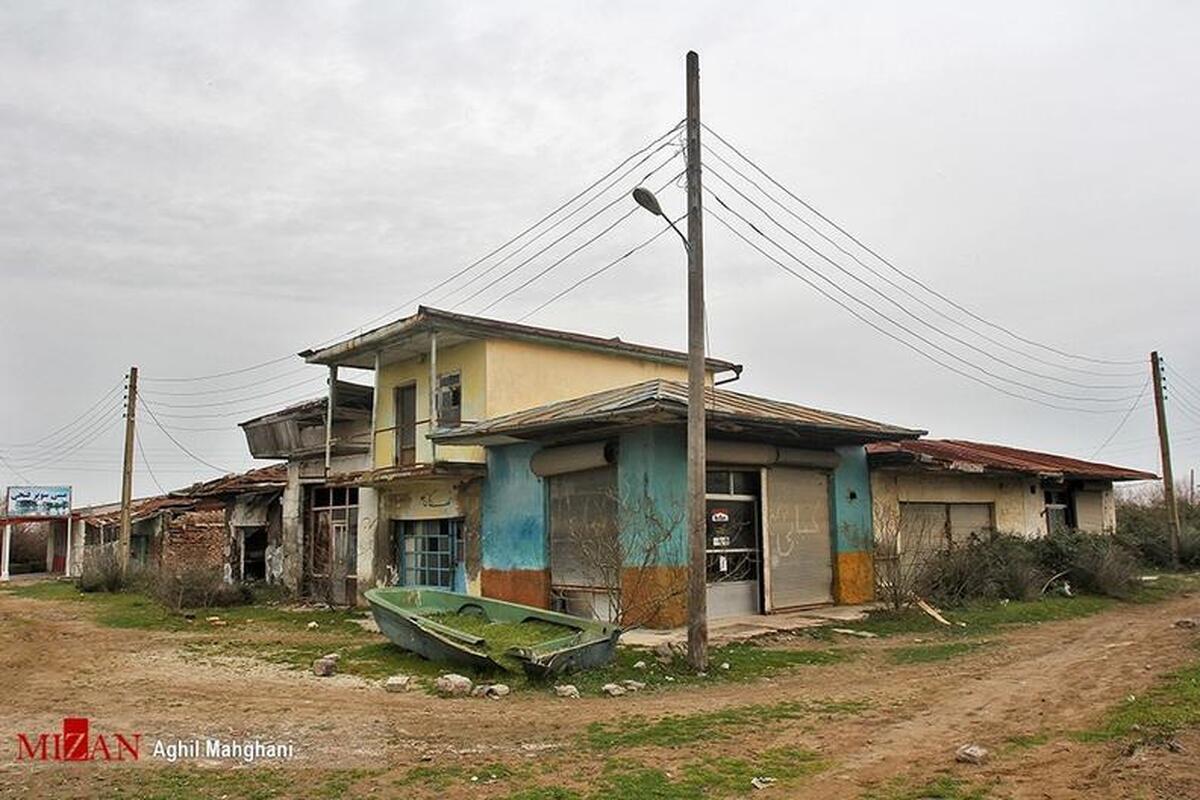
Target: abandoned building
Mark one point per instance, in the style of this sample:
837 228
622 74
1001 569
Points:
419 503
584 503
317 551
229 523
930 492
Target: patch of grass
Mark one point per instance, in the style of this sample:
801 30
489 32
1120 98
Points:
1165 586
441 777
942 788
499 637
930 653
711 777
983 617
747 662
1026 741
249 783
546 793
679 729
1164 710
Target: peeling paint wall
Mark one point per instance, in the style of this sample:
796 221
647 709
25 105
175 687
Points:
1017 503
514 561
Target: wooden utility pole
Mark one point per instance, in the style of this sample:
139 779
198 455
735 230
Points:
1164 444
696 513
127 470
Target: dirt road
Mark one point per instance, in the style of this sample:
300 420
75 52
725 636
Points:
1020 695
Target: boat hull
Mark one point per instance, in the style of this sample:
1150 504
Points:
403 617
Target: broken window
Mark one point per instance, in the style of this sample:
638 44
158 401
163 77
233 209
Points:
428 551
405 404
449 400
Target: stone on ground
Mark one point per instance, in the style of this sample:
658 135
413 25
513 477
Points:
398 683
324 667
972 754
453 685
567 690
613 689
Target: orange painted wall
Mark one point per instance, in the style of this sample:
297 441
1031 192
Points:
529 587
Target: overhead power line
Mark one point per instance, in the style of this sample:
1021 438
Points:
142 402
912 278
891 335
597 272
1124 419
555 264
908 312
445 281
916 335
146 463
235 401
623 197
900 287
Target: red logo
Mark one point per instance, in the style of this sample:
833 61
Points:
76 743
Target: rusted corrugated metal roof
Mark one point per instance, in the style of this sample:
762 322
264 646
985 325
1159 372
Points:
957 454
659 398
269 478
427 319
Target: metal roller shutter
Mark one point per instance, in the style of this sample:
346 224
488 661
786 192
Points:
798 536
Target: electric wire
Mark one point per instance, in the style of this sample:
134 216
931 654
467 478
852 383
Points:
895 284
913 279
444 282
1124 419
63 428
616 182
596 273
910 331
896 338
145 405
146 462
78 438
226 389
619 198
555 264
908 312
218 403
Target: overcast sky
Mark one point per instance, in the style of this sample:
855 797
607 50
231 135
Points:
197 188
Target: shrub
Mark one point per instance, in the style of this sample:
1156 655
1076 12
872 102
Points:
199 587
1093 563
1142 529
994 566
101 571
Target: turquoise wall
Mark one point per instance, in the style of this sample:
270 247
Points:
514 510
851 506
652 482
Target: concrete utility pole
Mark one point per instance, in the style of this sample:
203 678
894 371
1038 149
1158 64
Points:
1164 444
127 471
696 512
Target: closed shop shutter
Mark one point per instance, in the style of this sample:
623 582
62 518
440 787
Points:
584 549
967 519
1089 511
801 550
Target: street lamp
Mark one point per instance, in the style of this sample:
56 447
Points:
697 605
646 199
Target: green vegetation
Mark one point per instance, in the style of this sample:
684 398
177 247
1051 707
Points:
712 777
942 788
1161 712
500 637
984 617
929 653
251 783
746 662
441 777
1026 742
678 729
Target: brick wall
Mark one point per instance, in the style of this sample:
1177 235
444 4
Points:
196 539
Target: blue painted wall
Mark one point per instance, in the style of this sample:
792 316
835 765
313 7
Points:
652 476
851 508
514 510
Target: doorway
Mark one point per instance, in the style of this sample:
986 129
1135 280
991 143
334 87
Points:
733 543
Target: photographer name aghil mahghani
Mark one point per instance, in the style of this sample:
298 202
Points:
245 750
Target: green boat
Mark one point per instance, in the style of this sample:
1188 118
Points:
409 618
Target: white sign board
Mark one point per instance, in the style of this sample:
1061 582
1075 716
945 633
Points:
38 502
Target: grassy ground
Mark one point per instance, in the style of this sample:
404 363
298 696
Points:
1172 705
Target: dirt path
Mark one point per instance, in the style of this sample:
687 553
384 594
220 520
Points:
1041 680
